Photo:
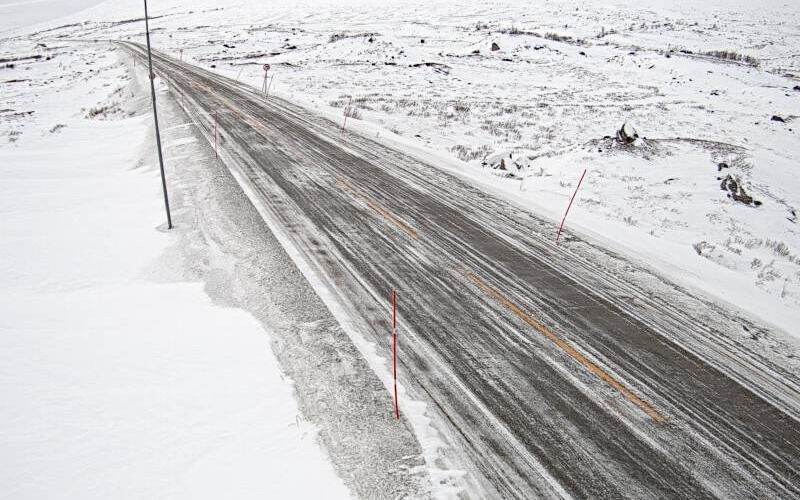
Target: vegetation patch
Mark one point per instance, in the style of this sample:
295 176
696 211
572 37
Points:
730 55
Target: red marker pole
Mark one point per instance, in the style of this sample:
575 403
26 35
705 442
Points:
346 110
394 352
570 204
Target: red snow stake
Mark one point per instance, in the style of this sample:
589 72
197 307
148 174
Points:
394 352
346 111
394 310
570 204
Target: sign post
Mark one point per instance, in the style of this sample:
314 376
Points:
271 79
266 72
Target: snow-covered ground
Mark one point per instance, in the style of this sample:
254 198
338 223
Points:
118 381
16 13
102 402
566 76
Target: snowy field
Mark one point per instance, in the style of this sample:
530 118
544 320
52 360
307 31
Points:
119 378
700 83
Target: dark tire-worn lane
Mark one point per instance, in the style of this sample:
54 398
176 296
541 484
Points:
533 416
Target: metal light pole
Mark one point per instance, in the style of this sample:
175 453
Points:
155 117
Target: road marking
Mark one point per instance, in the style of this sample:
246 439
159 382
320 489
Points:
387 215
472 277
567 348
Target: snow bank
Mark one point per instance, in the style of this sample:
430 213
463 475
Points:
114 386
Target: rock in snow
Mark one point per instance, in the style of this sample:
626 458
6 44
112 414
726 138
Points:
736 191
627 134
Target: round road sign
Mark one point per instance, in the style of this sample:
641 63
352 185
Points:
266 67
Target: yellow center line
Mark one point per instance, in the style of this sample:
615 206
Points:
387 215
603 375
568 349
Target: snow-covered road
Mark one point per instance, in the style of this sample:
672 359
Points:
552 372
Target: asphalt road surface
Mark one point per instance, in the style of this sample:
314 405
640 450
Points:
553 384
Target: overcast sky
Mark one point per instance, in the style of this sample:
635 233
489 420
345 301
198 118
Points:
22 13
18 13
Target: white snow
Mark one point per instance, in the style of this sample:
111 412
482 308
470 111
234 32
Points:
567 74
113 385
20 13
79 235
